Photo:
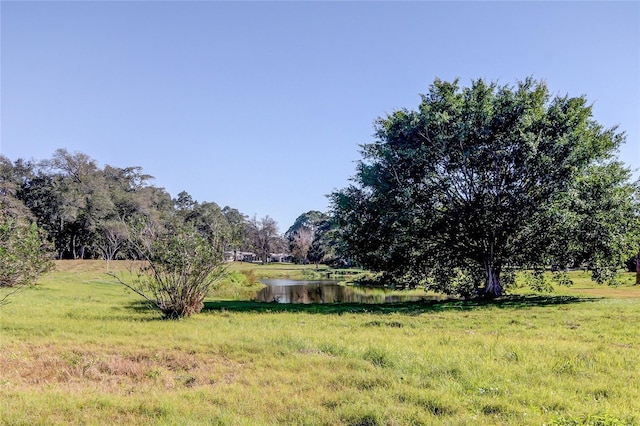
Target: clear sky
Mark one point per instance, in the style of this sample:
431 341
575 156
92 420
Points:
262 106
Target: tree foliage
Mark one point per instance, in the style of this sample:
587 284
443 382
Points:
239 231
483 179
265 237
79 204
303 233
84 208
24 254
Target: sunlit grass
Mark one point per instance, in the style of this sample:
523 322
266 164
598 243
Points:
80 349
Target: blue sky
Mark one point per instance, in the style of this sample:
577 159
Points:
262 105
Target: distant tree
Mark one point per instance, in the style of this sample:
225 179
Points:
126 188
302 234
265 237
184 203
324 247
111 237
309 220
238 231
11 179
128 178
181 268
483 179
208 218
154 203
300 243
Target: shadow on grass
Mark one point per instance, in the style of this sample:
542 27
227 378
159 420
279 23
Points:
408 308
144 311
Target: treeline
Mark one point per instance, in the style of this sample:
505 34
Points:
87 212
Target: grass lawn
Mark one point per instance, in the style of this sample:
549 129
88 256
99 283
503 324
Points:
81 349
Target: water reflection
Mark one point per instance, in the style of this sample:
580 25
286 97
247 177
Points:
328 291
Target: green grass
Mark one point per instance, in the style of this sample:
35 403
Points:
80 349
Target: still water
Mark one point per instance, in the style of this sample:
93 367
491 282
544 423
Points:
327 291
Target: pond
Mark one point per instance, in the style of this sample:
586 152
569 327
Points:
329 291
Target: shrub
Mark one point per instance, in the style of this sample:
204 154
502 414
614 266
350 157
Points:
181 268
24 254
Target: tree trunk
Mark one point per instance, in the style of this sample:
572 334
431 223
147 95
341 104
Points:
492 288
638 269
73 248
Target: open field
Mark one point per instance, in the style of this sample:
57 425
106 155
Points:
80 349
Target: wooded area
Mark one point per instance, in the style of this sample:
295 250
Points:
87 211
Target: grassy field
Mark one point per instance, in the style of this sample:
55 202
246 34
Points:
80 349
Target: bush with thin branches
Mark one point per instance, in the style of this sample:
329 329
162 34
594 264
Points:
180 268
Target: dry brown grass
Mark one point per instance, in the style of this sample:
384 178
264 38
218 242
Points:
109 370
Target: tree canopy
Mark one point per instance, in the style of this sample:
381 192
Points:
483 179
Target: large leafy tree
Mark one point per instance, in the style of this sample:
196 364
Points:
482 179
